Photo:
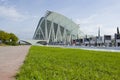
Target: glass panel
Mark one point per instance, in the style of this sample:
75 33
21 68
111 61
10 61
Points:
51 37
68 32
41 36
43 27
61 30
55 28
48 26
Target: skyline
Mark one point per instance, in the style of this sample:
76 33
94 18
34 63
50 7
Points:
22 16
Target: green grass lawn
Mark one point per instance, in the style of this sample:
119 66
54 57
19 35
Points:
48 63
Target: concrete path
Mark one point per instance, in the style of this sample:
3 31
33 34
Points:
108 49
11 58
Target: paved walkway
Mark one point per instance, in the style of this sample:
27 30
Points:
11 58
108 49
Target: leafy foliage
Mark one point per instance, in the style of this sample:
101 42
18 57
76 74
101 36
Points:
8 38
48 63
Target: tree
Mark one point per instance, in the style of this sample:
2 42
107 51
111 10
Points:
1 35
13 39
8 38
4 36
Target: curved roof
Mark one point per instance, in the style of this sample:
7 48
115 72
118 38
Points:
63 21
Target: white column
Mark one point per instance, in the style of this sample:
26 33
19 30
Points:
46 32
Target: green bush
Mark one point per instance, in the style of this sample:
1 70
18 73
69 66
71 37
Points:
8 38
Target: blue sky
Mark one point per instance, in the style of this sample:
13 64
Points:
21 16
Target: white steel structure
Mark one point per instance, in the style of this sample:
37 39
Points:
54 27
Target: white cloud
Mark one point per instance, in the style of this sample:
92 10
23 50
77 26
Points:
87 20
11 13
107 19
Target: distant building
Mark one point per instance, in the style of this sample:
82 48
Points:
99 39
107 40
92 41
117 38
87 41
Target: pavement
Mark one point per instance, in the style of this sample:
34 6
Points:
108 49
11 58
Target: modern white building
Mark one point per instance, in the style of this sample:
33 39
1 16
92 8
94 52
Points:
56 28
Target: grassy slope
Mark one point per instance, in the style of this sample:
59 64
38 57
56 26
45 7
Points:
47 63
